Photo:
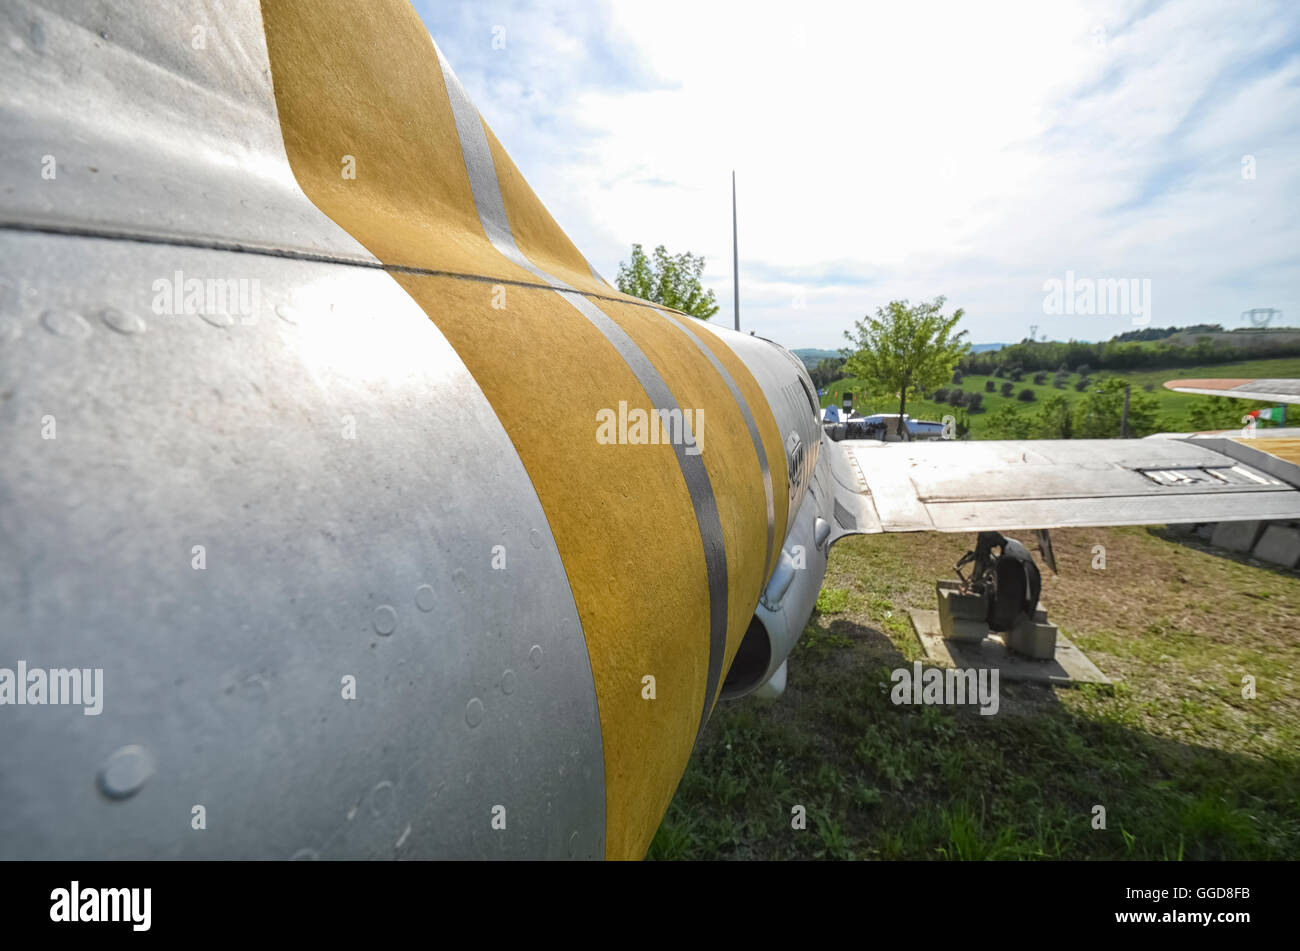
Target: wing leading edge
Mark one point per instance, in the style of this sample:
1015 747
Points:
1005 485
1276 391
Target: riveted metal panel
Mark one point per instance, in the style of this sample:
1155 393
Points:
348 485
156 120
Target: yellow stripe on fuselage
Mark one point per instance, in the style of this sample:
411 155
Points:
728 455
622 520
769 432
535 231
364 80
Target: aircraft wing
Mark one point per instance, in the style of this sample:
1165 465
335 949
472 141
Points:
1275 391
960 486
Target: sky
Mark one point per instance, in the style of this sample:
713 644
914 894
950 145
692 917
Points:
884 151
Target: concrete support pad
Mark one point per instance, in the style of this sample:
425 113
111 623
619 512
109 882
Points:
1033 638
1279 545
1069 666
961 616
1236 536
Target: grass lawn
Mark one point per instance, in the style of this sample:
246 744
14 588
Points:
1185 767
1174 405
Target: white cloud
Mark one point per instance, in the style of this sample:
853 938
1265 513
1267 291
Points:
911 149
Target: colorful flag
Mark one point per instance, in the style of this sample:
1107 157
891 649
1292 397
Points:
1275 414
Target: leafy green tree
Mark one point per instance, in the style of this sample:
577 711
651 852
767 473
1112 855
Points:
826 372
1006 422
669 279
1216 412
961 424
1096 416
904 350
1053 420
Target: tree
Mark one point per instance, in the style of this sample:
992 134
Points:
826 372
962 424
671 280
903 350
1216 412
1006 423
1097 415
1053 420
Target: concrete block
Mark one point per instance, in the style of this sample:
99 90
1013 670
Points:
1069 666
1279 545
962 617
1033 639
1237 536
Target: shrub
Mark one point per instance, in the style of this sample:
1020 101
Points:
990 386
1040 378
1026 395
941 395
1017 375
1082 384
1007 388
975 402
956 376
1006 422
1053 420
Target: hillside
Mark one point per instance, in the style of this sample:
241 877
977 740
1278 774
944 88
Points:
812 357
1173 406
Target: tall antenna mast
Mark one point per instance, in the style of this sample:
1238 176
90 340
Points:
735 250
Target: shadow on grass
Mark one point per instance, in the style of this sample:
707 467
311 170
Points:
879 780
1197 543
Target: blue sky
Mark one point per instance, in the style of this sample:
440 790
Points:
887 150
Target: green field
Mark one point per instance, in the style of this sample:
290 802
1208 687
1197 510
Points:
1174 406
1185 766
